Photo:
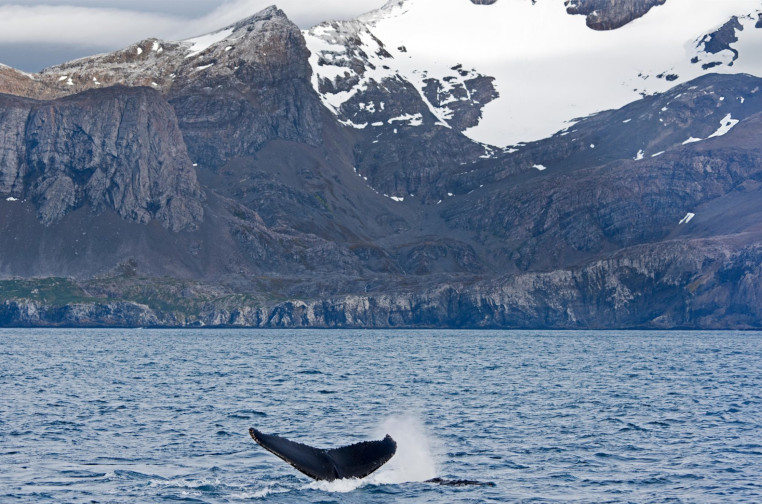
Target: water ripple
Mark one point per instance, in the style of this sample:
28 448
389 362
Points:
572 417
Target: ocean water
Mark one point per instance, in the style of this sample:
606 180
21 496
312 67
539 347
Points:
157 415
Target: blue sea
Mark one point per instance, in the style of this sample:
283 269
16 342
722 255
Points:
574 417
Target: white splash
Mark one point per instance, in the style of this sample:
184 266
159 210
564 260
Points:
414 460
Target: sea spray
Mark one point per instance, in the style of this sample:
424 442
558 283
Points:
413 461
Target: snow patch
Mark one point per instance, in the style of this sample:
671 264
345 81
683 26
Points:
411 119
539 167
200 44
692 140
688 217
353 125
726 124
397 198
640 155
657 154
139 50
11 198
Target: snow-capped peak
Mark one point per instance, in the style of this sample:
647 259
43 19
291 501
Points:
549 67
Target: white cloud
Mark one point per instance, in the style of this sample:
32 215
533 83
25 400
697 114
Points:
79 25
116 24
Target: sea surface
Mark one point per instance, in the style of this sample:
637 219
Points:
158 415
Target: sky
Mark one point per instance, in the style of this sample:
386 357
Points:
35 34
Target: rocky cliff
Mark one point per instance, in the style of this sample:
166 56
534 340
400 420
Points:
117 148
701 284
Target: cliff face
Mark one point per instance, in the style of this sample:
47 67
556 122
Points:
702 284
235 96
116 148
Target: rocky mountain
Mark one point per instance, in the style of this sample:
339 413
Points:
395 170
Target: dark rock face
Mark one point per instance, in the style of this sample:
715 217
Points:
403 148
610 14
460 95
607 208
117 148
406 161
13 171
717 42
694 284
254 92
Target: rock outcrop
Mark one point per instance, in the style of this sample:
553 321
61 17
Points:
249 89
117 148
610 14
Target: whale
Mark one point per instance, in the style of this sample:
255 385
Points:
353 461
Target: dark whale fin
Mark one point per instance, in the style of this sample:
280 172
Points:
353 461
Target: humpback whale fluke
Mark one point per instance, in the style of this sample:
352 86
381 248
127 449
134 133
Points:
354 461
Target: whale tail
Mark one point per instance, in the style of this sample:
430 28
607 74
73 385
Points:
354 461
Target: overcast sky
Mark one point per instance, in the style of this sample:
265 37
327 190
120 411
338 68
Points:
39 33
